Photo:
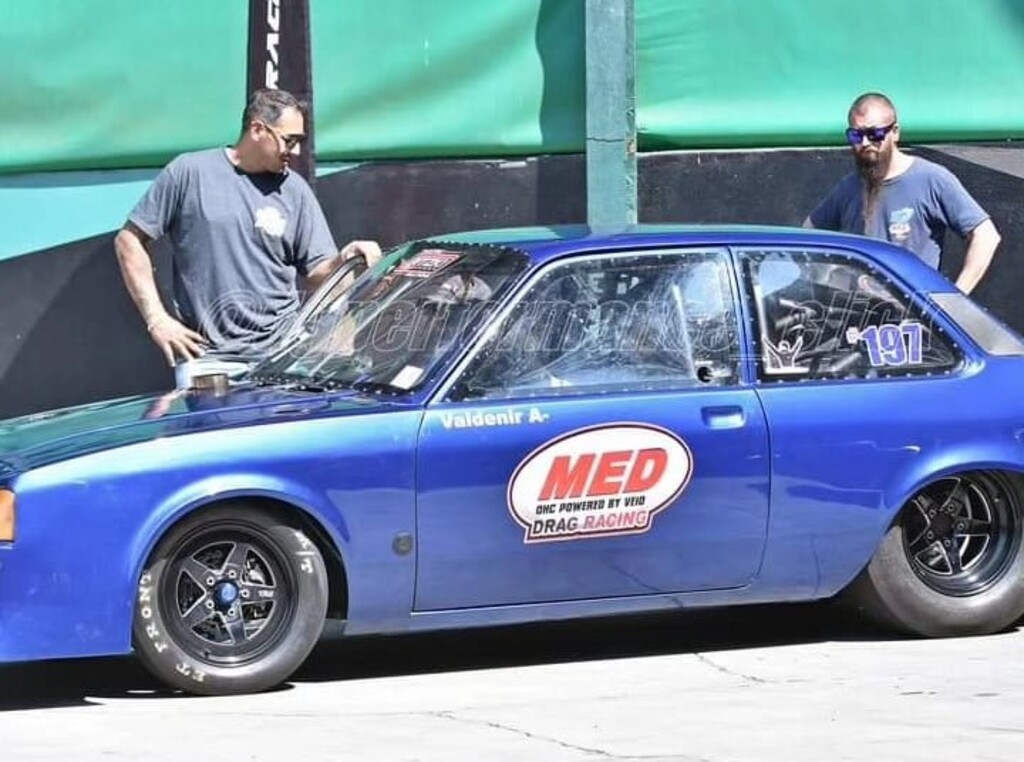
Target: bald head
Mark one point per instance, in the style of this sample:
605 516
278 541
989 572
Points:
876 102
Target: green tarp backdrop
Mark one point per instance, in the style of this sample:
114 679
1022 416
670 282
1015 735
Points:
121 83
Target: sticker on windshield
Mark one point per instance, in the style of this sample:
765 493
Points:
407 377
598 482
427 262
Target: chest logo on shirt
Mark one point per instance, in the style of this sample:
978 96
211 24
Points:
270 220
899 224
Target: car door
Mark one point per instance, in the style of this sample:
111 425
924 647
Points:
599 443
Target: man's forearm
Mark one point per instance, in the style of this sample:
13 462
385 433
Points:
137 271
981 247
316 277
369 249
174 339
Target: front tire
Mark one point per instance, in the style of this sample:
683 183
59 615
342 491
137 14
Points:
232 601
953 562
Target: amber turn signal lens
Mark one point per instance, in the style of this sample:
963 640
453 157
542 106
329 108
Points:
6 515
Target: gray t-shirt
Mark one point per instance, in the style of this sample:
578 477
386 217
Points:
239 239
913 210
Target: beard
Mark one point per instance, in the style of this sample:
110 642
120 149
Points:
872 166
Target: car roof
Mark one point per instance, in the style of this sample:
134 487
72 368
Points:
544 243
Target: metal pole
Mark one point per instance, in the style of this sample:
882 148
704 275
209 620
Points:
611 113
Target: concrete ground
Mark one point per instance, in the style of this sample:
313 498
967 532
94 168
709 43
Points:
759 683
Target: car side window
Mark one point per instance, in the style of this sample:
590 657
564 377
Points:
822 315
625 322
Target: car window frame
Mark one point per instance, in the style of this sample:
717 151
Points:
443 391
961 346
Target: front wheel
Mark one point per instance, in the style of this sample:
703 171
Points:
953 563
232 601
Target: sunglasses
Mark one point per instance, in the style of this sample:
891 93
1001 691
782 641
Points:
855 135
290 141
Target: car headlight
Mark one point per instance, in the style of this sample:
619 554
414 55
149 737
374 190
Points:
6 515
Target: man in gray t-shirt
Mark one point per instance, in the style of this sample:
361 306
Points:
242 228
904 199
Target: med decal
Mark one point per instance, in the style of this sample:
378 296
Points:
600 481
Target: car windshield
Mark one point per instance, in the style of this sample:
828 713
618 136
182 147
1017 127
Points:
398 322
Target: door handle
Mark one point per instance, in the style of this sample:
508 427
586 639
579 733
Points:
723 417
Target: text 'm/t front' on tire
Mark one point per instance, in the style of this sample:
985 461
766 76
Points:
953 562
232 601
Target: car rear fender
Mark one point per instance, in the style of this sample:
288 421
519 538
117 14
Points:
963 457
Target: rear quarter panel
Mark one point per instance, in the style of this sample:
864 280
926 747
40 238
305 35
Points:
847 456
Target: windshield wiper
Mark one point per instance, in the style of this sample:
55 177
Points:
260 379
290 383
369 385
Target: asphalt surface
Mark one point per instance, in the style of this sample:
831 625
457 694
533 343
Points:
758 683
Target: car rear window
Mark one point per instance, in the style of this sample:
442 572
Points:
991 335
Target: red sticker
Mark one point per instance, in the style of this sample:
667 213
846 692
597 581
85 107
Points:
427 262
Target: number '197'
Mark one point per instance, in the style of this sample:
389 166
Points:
892 344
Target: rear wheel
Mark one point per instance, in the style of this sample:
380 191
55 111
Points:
952 564
232 601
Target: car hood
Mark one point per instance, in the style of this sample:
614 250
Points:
37 440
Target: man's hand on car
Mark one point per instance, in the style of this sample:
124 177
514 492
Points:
176 339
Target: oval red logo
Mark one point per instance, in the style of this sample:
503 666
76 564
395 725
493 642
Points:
599 481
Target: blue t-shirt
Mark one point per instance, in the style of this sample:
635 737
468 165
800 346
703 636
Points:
238 241
913 209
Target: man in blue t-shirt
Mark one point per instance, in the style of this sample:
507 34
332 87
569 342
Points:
243 229
904 199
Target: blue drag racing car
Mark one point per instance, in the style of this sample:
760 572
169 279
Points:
537 424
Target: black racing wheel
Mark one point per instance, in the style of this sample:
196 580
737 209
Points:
232 601
952 563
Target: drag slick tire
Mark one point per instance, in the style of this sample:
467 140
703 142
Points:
232 601
953 562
